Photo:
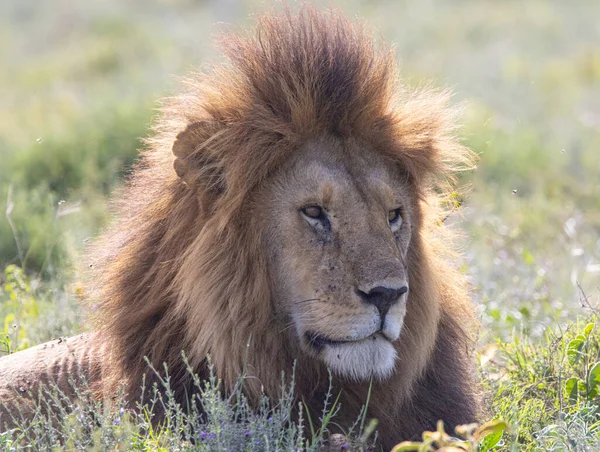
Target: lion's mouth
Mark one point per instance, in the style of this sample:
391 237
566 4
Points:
317 341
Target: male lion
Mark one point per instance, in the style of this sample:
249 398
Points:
286 210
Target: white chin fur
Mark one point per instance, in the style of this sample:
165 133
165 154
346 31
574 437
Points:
372 357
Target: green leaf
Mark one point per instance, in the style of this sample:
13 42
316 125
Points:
364 417
310 422
490 441
574 348
588 329
594 380
571 389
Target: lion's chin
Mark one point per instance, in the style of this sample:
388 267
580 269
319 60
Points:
372 357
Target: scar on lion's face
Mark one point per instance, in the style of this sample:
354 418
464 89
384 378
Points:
341 263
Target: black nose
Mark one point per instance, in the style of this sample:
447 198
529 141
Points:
382 297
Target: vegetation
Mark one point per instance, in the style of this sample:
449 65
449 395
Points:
225 424
78 88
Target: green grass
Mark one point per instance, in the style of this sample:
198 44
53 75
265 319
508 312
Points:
78 89
548 389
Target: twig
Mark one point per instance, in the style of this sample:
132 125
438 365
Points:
585 300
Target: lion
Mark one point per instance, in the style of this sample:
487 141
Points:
287 211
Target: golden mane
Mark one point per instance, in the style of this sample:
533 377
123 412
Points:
183 267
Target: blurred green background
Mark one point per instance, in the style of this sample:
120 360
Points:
80 80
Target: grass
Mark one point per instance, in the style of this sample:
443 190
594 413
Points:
79 87
548 389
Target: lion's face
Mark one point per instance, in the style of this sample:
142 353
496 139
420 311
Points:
337 233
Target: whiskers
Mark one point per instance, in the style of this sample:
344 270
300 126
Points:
307 300
290 323
287 327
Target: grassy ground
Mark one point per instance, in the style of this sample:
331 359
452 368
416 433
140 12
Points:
78 88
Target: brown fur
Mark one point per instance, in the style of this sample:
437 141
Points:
184 268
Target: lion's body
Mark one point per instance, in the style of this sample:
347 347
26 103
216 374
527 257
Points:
221 256
62 363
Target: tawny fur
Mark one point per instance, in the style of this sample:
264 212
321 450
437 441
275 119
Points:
184 269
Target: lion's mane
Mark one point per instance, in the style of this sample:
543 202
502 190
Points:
183 268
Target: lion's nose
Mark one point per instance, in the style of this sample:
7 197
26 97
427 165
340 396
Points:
382 297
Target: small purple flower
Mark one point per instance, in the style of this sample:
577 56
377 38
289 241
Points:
270 420
122 411
249 432
203 435
211 435
117 421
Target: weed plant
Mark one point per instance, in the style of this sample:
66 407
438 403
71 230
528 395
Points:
210 422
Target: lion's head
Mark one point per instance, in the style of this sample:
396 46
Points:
286 210
336 228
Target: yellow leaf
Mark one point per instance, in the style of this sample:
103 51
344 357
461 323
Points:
406 446
490 427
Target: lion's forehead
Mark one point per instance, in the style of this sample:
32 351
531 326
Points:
350 174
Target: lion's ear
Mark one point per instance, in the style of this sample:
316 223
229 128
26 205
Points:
194 163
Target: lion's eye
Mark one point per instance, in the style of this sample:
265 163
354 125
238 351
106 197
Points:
316 217
394 216
314 212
